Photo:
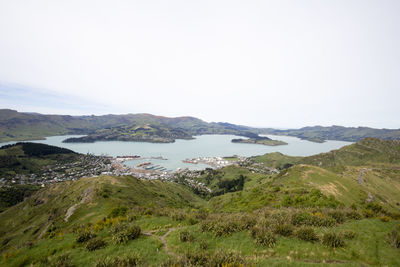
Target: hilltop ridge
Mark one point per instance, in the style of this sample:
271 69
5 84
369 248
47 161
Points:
21 126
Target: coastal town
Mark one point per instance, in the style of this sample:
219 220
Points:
93 166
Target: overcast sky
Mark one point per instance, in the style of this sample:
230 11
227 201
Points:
259 63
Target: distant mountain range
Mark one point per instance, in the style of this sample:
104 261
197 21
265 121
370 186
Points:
16 125
352 134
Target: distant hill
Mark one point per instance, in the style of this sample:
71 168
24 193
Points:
139 133
366 151
16 125
27 158
352 134
20 126
130 127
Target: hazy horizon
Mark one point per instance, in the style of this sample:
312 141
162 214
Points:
280 64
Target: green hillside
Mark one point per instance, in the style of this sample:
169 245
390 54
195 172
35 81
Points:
16 125
352 134
139 133
29 158
314 212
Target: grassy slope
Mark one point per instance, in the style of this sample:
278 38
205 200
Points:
339 170
95 197
339 186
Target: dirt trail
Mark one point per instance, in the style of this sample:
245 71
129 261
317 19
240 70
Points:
162 239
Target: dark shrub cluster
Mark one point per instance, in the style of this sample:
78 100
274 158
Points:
133 232
226 228
116 212
353 214
219 258
262 236
283 229
95 243
121 261
332 240
307 234
226 224
186 236
305 218
221 227
85 236
337 215
63 260
127 233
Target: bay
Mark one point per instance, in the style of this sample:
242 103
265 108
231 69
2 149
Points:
202 146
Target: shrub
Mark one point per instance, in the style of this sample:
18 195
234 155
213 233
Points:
116 212
368 213
198 258
283 229
186 236
332 240
118 227
206 226
63 260
305 218
219 258
225 228
120 238
95 243
178 215
353 215
394 239
385 218
349 234
133 232
204 245
247 221
263 237
337 215
228 258
192 220
307 234
120 261
125 234
375 207
85 236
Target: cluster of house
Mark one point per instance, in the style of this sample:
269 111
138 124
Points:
84 166
216 162
93 166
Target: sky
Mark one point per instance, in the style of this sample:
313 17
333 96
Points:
280 63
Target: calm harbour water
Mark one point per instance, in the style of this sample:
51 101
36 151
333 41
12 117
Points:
202 146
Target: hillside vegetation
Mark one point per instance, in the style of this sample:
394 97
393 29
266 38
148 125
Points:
352 134
19 126
29 158
27 126
315 211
